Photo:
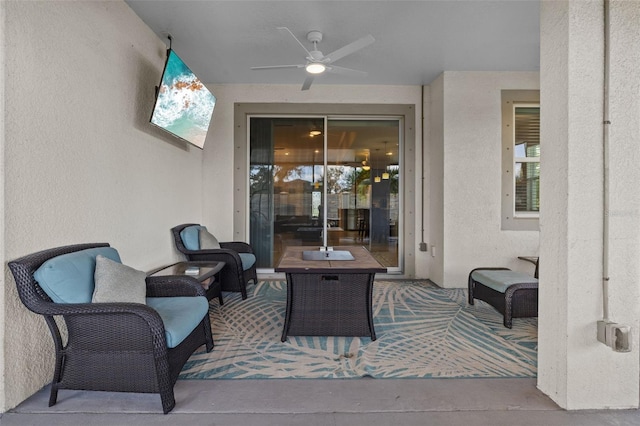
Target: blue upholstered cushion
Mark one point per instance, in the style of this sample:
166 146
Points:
191 237
499 280
68 278
248 259
191 240
180 315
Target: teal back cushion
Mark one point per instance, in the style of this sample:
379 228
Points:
247 259
191 237
69 278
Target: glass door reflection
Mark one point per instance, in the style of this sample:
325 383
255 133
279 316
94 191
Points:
363 186
292 175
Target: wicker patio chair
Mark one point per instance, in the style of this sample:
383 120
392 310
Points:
233 277
118 347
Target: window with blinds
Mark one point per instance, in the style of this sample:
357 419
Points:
526 160
520 160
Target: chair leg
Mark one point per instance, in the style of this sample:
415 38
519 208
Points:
57 371
508 322
508 307
208 335
243 290
53 396
168 400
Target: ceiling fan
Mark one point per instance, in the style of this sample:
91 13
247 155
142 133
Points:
317 63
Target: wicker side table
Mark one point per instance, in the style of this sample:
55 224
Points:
205 272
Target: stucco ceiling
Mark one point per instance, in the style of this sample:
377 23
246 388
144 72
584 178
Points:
415 40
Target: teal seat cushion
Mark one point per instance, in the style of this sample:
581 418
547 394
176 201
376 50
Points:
248 259
69 278
500 280
191 237
180 315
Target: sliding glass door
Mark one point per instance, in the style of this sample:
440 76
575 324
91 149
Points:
325 181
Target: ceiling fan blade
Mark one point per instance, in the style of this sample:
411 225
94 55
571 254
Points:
292 35
272 67
307 82
346 71
349 48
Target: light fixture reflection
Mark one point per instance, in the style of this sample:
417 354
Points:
365 163
315 133
385 175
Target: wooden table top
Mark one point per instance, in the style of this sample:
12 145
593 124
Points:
292 262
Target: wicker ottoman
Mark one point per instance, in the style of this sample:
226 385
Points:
513 294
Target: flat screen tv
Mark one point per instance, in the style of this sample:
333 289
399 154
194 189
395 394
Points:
184 105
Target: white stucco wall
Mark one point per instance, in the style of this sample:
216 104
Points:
3 282
462 180
574 369
82 164
468 149
435 202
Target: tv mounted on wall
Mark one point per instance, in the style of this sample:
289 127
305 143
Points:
184 105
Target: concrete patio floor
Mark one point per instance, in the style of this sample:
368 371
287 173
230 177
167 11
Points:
335 402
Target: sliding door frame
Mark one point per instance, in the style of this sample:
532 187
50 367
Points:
406 113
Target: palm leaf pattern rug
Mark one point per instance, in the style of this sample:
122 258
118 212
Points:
423 331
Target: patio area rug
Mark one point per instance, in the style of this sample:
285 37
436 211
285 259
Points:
423 332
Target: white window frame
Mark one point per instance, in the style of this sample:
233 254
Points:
510 219
516 160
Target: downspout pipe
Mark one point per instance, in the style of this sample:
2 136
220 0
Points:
605 178
423 245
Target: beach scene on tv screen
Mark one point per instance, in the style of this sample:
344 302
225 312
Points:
184 105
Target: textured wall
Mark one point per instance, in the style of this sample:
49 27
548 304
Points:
469 109
3 282
435 202
472 172
574 369
82 162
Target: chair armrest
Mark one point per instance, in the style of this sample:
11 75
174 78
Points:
65 309
230 257
237 246
171 286
109 323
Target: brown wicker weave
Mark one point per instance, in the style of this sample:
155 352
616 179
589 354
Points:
117 347
232 277
518 301
329 305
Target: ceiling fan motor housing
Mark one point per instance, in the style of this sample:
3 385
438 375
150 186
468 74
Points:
316 56
314 36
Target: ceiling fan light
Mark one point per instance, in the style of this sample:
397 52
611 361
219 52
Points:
315 68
